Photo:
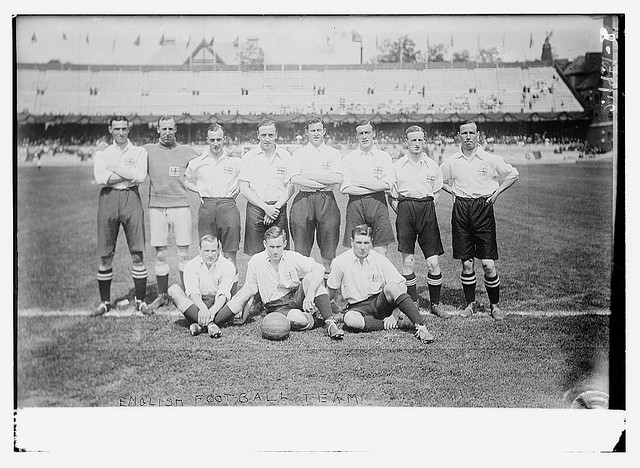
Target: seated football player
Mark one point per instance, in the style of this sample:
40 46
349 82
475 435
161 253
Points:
373 289
207 280
287 283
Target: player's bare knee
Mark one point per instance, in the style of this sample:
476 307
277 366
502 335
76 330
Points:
137 258
467 266
105 263
183 256
393 290
161 254
354 320
408 262
433 265
489 267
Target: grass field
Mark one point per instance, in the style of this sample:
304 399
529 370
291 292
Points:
555 240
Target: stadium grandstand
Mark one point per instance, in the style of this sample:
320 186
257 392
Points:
542 100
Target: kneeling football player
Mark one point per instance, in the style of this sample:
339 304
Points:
373 288
207 280
287 283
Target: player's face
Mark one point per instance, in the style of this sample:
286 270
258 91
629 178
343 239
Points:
167 131
274 248
216 141
468 136
209 252
365 136
361 245
415 142
119 130
315 132
267 136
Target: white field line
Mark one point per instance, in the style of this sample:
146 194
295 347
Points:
172 312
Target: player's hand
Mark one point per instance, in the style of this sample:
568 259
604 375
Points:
492 199
204 317
390 322
267 220
272 212
308 305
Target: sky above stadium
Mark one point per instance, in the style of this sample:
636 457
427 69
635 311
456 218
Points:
305 39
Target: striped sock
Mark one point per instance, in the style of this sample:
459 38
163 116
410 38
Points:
139 275
493 288
104 284
469 286
435 285
412 286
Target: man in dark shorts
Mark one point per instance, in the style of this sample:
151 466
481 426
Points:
285 282
316 168
368 175
119 169
263 182
214 176
207 288
373 289
472 177
415 191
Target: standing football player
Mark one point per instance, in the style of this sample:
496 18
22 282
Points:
475 179
373 289
214 175
416 187
207 288
168 202
119 169
315 170
368 175
263 182
284 282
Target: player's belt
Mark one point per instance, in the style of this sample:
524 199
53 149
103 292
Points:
402 198
215 199
316 191
133 188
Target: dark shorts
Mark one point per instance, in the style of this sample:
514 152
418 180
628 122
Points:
417 219
315 214
372 210
375 306
116 207
220 217
292 300
255 228
473 228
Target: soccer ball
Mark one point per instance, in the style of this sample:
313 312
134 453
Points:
275 326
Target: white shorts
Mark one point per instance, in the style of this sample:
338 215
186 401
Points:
161 220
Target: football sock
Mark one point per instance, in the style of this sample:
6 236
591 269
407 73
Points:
372 324
493 288
408 308
163 284
412 288
225 314
104 284
324 306
469 286
139 275
435 285
191 314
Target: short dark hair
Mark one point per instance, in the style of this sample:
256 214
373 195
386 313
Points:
209 238
214 127
266 123
414 128
118 118
313 119
468 122
274 232
362 122
164 118
361 230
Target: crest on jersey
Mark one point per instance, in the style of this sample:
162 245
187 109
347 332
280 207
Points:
326 166
174 171
483 170
281 171
228 170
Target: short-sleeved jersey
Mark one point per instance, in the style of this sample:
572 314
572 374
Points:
361 280
416 179
215 177
361 166
131 156
217 280
323 159
275 281
267 176
476 176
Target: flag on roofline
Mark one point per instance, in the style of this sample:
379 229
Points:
188 42
86 39
34 38
64 36
162 40
531 41
137 41
235 43
356 37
